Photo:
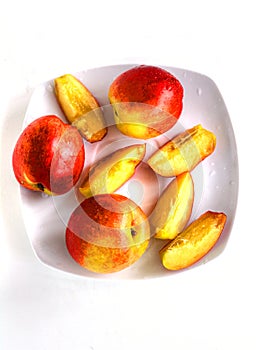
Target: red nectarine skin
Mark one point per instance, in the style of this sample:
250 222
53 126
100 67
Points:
149 85
115 259
104 214
48 156
107 233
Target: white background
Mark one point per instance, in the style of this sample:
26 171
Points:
211 307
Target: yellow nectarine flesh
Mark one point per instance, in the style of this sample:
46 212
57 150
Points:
173 208
80 107
111 172
183 152
194 242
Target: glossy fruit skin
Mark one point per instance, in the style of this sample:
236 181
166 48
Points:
151 85
107 233
151 97
48 156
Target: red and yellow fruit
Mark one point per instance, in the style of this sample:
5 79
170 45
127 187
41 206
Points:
107 233
147 101
48 156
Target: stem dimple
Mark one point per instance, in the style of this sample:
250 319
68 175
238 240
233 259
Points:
133 232
40 186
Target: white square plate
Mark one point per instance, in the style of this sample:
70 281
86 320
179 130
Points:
215 179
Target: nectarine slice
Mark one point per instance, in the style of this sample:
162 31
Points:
193 243
183 152
111 172
173 208
80 107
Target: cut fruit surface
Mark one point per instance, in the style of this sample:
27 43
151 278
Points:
183 152
80 107
111 172
193 243
173 208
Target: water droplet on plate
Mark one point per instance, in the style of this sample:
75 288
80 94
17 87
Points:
231 182
199 91
212 172
28 89
49 88
184 74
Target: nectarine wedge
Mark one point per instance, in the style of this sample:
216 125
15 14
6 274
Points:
80 107
183 152
193 243
173 208
111 172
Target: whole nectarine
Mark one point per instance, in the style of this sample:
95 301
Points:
147 101
48 156
107 233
